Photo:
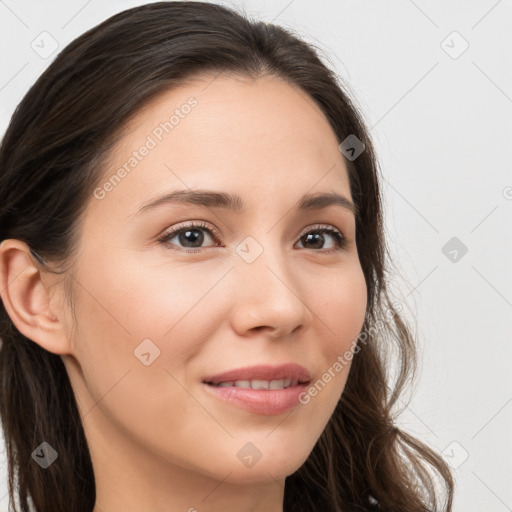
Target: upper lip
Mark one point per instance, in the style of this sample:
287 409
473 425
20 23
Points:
262 372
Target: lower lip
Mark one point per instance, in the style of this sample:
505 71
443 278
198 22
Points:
259 401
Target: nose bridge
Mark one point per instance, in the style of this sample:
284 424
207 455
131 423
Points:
263 263
269 292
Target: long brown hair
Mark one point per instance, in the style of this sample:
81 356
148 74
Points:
52 157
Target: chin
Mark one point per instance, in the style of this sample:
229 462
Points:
248 464
260 472
269 462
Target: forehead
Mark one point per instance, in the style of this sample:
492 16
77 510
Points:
231 132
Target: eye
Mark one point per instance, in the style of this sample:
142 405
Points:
192 237
316 237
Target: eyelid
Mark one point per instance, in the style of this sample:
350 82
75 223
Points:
191 224
319 227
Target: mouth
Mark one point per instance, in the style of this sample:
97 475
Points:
262 376
258 384
267 390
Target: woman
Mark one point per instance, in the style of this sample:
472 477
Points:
194 304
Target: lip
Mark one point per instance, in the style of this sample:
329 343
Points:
260 401
262 372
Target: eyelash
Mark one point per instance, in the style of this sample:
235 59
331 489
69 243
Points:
164 239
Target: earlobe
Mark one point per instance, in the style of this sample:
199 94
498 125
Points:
26 298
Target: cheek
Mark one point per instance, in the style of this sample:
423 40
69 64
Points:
342 310
143 314
158 299
131 313
339 308
139 299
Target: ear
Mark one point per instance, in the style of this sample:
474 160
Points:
26 296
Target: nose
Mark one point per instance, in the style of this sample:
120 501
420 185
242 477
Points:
269 297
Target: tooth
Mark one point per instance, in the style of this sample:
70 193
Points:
259 384
242 383
276 384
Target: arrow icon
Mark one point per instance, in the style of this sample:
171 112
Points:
454 45
249 455
455 454
45 455
352 147
146 352
249 249
454 249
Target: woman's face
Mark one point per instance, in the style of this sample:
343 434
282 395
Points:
160 314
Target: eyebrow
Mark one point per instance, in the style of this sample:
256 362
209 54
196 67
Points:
233 202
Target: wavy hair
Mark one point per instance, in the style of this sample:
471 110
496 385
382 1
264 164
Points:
52 157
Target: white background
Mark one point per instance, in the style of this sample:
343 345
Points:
442 125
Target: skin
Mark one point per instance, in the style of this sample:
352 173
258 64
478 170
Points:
158 441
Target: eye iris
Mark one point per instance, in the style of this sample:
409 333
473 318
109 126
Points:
187 233
318 239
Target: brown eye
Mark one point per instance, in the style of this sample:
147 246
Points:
191 236
315 239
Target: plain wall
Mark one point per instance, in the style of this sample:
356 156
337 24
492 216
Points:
441 118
